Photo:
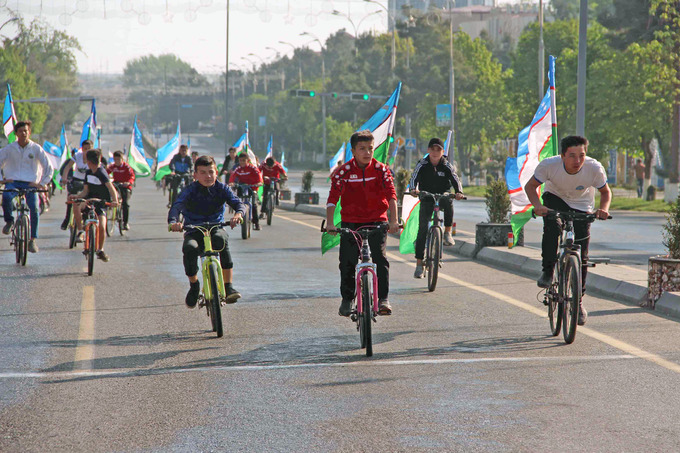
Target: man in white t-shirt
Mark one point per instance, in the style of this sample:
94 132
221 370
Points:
74 184
570 183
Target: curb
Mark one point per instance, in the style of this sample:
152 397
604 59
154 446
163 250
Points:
520 262
669 304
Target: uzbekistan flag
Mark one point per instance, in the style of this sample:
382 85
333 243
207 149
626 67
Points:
165 154
535 142
136 157
270 148
283 157
337 160
9 117
54 154
90 128
381 124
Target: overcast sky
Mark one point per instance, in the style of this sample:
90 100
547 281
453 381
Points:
112 32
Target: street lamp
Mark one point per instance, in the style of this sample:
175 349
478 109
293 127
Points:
323 87
356 27
299 62
256 55
394 30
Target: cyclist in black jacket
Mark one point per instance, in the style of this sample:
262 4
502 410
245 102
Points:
181 166
434 174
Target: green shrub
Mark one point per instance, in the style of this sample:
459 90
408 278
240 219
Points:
401 180
671 230
497 201
307 181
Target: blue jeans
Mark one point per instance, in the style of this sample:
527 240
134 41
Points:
31 200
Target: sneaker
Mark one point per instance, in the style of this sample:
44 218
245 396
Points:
232 294
420 271
126 226
384 307
582 315
192 295
32 246
345 307
256 227
545 280
448 239
261 215
80 237
103 256
8 227
64 224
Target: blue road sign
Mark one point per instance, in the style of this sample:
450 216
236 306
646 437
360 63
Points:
410 144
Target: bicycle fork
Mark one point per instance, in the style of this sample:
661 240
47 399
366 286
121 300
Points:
367 268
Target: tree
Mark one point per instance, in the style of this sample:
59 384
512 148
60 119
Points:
23 84
161 74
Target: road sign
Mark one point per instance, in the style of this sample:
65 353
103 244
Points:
410 144
443 116
400 141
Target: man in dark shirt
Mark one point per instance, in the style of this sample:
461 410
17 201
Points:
203 202
181 166
434 174
98 185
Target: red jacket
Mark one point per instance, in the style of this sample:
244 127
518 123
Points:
246 175
124 173
274 171
365 192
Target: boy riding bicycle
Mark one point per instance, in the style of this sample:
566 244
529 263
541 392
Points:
367 190
247 173
203 201
270 168
569 182
123 179
434 174
98 185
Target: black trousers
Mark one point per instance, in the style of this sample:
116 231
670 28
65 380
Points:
426 210
73 187
349 257
174 182
551 234
252 199
265 193
125 194
193 247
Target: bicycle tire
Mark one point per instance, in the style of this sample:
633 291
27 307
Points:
366 317
572 298
215 308
110 220
16 242
73 231
245 223
24 229
555 306
91 247
119 221
434 256
270 209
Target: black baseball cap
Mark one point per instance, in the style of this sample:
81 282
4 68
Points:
436 142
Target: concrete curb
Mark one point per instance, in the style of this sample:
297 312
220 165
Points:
669 304
525 262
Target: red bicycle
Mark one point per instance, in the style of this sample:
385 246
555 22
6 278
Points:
91 225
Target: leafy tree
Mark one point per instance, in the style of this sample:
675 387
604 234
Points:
161 74
13 71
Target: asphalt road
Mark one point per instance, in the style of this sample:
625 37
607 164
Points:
116 362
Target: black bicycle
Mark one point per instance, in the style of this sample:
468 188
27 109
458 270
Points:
563 296
249 197
434 241
269 202
21 229
177 184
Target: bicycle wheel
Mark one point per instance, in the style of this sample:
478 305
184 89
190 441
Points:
91 247
270 208
214 302
554 306
119 221
72 231
366 317
245 224
571 289
110 220
433 252
22 236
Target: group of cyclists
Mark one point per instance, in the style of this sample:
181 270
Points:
365 185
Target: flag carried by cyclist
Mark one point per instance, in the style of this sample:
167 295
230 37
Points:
165 154
90 128
136 157
9 117
535 142
381 125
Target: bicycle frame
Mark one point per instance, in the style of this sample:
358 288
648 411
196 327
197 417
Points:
209 256
365 266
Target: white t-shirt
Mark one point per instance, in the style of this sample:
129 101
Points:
79 166
578 190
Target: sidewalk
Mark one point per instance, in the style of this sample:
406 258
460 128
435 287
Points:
615 281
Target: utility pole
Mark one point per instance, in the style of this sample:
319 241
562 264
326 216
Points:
541 52
452 87
226 91
581 77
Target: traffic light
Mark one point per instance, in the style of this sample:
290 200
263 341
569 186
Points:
334 95
360 96
302 93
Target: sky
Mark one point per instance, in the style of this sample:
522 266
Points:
112 32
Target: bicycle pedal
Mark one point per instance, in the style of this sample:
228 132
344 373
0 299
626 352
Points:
353 317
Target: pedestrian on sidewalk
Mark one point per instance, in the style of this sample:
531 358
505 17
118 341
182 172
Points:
639 176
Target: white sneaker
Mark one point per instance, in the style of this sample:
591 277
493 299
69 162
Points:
419 271
448 239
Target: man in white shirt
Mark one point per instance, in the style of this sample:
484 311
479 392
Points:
75 184
570 182
25 164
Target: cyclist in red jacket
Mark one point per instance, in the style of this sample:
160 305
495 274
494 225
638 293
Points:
270 168
367 190
247 173
123 179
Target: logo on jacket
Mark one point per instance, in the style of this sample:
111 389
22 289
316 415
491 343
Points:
580 188
353 176
441 173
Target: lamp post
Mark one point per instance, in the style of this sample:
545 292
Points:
323 88
452 86
356 27
261 68
541 52
394 30
226 89
581 69
299 62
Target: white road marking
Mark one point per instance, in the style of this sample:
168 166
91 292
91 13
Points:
368 363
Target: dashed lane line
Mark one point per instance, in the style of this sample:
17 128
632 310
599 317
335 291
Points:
611 341
85 348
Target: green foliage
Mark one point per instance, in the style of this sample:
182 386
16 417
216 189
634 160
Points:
671 231
307 181
497 201
401 180
23 85
161 73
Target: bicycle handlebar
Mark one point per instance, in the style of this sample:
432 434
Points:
571 215
205 225
88 201
28 190
424 194
362 230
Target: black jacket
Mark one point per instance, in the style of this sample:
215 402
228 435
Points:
435 179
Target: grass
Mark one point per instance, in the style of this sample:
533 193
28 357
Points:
474 191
